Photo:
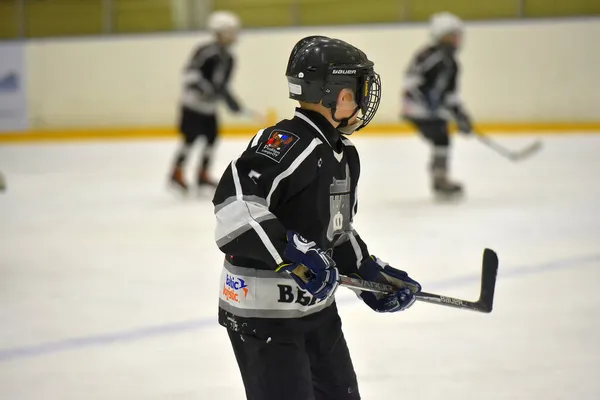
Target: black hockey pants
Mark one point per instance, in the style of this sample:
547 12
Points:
310 365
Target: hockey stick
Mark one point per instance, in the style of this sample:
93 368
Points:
489 270
511 155
254 115
484 304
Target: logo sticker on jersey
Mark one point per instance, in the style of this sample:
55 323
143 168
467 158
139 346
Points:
339 206
232 287
278 145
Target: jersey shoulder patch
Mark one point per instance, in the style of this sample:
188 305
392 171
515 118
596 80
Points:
278 144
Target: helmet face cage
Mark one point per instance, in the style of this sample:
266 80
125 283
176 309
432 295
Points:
369 97
367 91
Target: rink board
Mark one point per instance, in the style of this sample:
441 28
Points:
137 133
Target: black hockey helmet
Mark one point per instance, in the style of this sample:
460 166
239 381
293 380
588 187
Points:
320 67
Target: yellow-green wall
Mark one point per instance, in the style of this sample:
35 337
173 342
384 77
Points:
42 18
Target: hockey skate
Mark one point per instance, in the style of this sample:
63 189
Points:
177 180
446 189
205 180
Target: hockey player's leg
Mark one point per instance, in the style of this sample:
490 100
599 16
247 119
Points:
189 134
273 368
2 183
177 173
332 369
442 185
203 172
211 131
436 132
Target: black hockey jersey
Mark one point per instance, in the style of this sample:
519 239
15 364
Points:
299 175
431 85
206 79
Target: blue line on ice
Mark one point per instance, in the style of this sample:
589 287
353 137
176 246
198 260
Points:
209 322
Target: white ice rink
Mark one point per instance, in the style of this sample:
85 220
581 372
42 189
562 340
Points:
109 283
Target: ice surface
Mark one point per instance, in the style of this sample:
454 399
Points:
108 282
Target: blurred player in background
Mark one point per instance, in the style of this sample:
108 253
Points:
431 97
2 183
298 180
206 79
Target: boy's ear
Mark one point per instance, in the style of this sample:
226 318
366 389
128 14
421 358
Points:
345 96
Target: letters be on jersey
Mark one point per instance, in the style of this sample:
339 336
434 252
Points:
278 145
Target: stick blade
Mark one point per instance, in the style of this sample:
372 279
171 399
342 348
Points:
489 272
529 151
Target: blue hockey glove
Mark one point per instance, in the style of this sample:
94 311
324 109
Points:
312 269
373 269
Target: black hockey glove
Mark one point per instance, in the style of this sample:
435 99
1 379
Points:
232 103
463 122
312 269
373 269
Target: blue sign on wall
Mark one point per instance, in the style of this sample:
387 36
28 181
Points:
13 96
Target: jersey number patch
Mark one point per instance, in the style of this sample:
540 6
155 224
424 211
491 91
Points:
278 145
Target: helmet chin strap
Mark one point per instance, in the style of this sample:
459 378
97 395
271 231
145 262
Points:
343 127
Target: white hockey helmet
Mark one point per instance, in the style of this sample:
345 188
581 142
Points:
444 23
223 21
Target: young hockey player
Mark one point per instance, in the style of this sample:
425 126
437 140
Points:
206 79
290 200
431 96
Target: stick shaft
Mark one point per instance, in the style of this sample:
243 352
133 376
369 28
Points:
506 153
354 283
450 302
489 271
503 151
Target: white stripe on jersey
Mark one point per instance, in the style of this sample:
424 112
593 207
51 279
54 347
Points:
355 205
454 99
290 170
191 77
240 213
412 81
356 247
266 241
257 138
315 127
237 215
236 181
338 156
346 141
204 54
430 61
